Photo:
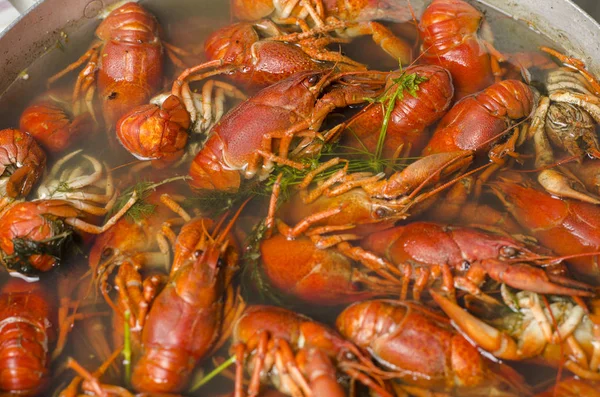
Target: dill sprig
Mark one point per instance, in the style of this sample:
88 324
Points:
63 187
143 189
196 384
405 82
217 202
367 162
127 347
24 248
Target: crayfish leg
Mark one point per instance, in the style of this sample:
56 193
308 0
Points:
483 335
577 64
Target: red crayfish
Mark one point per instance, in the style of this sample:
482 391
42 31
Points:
422 94
350 18
242 144
22 163
28 326
124 65
190 305
419 348
565 226
52 123
452 32
479 120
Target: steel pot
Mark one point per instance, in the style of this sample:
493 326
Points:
50 21
54 32
47 22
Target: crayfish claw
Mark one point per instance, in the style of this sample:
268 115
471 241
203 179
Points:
481 334
558 184
529 278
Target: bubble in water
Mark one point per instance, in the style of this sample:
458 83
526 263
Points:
93 8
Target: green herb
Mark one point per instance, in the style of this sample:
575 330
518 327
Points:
293 177
127 348
24 247
141 209
217 202
406 82
204 380
63 187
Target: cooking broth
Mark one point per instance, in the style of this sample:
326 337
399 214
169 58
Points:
187 23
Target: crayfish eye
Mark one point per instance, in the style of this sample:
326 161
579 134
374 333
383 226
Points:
197 253
508 252
465 265
106 253
220 263
312 80
382 212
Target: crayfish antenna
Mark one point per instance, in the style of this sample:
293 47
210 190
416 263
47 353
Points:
270 220
222 234
509 376
576 64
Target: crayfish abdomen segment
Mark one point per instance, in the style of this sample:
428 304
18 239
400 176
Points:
26 336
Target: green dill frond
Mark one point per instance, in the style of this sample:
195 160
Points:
24 248
364 162
143 189
127 348
63 187
217 202
200 379
406 82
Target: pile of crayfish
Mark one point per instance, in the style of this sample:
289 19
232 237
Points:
276 216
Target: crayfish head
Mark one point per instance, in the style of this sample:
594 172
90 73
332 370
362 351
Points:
208 265
392 210
424 173
231 43
216 255
315 82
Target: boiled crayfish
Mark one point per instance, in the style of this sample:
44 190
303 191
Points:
243 143
419 348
